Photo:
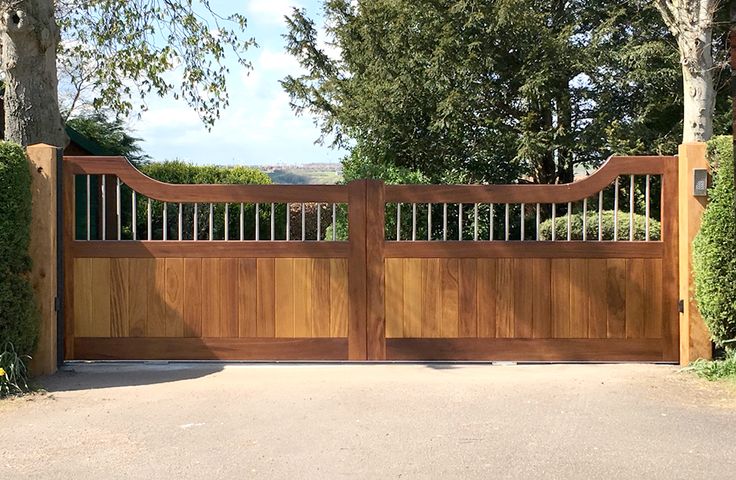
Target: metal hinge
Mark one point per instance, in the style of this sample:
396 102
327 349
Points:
681 306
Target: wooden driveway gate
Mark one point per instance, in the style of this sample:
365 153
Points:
371 272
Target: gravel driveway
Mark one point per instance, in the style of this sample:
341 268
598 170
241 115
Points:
370 421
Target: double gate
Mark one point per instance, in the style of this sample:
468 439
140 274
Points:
365 271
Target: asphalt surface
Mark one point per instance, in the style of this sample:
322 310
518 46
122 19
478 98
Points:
370 421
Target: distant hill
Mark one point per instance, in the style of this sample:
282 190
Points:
309 173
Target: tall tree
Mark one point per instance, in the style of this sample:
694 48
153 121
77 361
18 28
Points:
472 90
691 23
133 45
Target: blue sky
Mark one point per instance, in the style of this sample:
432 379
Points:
258 127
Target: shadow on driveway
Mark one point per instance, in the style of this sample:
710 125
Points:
86 376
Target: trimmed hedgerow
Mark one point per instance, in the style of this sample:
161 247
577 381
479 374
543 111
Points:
18 312
591 227
714 249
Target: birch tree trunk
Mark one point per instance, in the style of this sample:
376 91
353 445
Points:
691 22
29 40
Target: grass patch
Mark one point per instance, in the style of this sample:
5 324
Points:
724 369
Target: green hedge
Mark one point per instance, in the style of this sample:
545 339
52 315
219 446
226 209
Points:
177 171
576 224
18 312
714 249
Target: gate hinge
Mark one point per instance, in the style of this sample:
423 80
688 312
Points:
57 304
681 306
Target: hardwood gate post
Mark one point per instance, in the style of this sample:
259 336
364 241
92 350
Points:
43 252
375 236
694 336
357 294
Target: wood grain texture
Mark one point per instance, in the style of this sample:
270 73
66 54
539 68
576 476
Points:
156 324
338 298
302 288
412 313
101 297
450 326
266 297
394 289
467 300
520 349
579 298
211 304
268 349
560 294
597 298
138 295
616 297
247 298
375 293
174 297
635 295
357 271
229 297
542 300
320 303
213 249
653 299
82 278
284 297
523 298
486 292
192 297
504 298
119 297
431 299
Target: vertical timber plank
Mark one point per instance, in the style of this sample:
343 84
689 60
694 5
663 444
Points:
450 298
598 298
284 297
156 322
635 291
468 302
486 293
579 293
193 297
320 302
138 295
394 298
211 297
175 297
266 297
670 264
70 264
247 298
101 297
357 272
431 298
228 297
119 297
616 289
542 301
560 290
504 298
523 298
302 297
375 207
653 296
338 297
82 296
412 298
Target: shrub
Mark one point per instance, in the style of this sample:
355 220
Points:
714 249
13 371
177 171
591 227
18 313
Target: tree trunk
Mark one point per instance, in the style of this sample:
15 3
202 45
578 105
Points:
691 23
697 77
29 40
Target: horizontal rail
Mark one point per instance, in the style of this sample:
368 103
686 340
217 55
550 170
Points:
213 249
167 192
563 193
527 249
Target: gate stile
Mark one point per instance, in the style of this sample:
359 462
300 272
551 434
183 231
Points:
465 273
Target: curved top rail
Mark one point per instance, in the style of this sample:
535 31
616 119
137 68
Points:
562 193
220 193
